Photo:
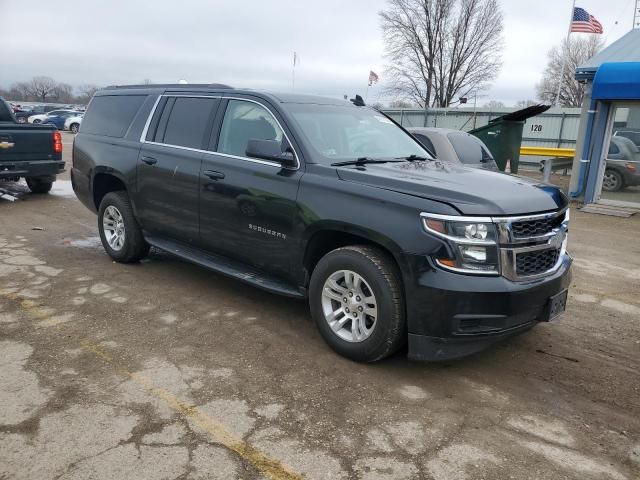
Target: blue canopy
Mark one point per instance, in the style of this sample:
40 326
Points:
617 81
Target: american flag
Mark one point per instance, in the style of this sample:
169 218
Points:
584 22
373 77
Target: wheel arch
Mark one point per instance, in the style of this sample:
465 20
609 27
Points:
327 236
106 181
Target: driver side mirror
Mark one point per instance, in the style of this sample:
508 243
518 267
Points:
271 150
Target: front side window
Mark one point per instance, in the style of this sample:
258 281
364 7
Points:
244 121
346 132
187 121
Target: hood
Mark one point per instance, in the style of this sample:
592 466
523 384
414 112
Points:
472 191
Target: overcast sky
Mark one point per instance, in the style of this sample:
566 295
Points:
250 43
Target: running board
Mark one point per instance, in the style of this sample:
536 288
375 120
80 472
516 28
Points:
226 266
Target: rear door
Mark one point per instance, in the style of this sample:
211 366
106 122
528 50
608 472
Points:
247 205
169 166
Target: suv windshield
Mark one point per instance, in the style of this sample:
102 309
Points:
340 133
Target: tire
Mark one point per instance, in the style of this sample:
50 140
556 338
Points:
380 280
74 127
129 246
39 185
21 120
612 181
36 121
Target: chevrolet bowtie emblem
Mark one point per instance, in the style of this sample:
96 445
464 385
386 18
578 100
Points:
6 144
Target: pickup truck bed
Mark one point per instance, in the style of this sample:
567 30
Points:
32 152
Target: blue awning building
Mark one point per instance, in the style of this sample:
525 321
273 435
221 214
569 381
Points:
606 167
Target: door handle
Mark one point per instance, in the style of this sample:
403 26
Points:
149 160
213 175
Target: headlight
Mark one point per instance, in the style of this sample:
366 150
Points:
473 241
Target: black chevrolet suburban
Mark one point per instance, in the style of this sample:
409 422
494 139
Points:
327 200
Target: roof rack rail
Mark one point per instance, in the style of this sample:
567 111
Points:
175 85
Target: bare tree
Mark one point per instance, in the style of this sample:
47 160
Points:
525 103
576 52
440 49
494 104
400 104
86 92
41 87
19 91
63 93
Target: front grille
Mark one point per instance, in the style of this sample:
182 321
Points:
535 228
536 262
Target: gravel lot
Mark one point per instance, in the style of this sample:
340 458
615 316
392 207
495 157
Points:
164 370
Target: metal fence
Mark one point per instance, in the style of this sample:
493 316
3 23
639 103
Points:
557 127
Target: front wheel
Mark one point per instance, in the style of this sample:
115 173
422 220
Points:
612 181
356 300
74 128
36 121
119 230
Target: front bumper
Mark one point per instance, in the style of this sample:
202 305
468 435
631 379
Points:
31 168
451 315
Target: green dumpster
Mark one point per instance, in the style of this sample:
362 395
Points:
503 135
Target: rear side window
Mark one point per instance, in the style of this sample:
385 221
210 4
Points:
187 121
613 149
468 148
111 115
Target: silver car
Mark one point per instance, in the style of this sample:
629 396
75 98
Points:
455 146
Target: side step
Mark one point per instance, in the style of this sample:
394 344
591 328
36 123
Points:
226 266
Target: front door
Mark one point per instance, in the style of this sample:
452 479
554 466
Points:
247 205
169 167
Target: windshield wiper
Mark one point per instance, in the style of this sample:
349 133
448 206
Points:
361 161
413 157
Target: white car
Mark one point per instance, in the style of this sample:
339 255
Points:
72 124
41 117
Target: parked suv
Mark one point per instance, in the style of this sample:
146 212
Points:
330 201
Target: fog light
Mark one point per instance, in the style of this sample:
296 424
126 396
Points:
473 253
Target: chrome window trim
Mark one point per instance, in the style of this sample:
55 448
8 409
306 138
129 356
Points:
248 159
148 122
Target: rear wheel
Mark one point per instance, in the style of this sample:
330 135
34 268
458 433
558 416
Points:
39 185
355 295
37 120
612 181
119 230
21 120
74 128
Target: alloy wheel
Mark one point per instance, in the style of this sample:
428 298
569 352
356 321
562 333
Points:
349 306
113 227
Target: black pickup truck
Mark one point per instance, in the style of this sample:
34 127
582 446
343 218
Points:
330 201
32 152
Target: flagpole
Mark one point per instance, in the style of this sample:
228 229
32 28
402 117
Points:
293 71
562 52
